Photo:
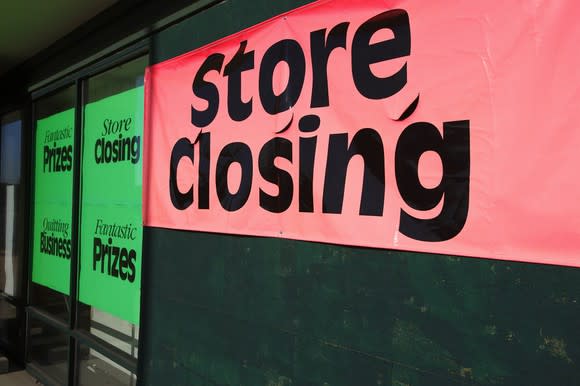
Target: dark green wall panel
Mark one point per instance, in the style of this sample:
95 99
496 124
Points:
231 310
228 310
223 19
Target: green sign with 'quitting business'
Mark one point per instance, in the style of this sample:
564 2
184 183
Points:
51 253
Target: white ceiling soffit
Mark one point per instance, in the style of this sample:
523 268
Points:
29 26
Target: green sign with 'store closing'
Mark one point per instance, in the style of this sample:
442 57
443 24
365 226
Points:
111 231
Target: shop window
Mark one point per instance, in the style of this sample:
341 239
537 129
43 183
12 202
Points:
12 230
48 349
11 327
110 227
12 205
105 197
96 369
52 203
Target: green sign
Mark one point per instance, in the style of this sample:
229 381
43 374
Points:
53 201
111 231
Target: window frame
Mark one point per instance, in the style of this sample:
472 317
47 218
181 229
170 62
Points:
70 328
20 301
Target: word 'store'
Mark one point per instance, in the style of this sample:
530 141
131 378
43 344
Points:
348 122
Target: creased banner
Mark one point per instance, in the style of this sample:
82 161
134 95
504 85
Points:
445 127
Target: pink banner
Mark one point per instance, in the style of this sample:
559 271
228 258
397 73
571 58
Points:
445 127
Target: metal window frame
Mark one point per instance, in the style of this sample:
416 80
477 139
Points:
70 328
124 50
20 301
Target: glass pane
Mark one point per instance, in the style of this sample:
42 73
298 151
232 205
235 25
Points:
53 154
12 205
95 369
11 157
11 328
122 78
111 231
48 350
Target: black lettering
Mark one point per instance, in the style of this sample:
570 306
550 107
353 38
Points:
45 158
108 151
115 267
99 150
276 147
207 91
368 144
453 148
242 61
364 54
123 264
204 170
116 149
132 258
135 149
182 148
57 158
106 125
288 51
234 152
68 153
307 149
68 249
108 253
320 52
96 252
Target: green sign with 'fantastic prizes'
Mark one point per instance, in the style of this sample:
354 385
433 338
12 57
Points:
111 231
51 254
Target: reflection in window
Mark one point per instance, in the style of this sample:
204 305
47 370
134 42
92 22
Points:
12 205
48 350
95 369
11 328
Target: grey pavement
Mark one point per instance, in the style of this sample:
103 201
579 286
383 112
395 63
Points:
17 378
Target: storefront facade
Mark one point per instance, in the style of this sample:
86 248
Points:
91 296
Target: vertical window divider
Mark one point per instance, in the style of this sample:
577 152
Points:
30 244
70 329
75 224
28 177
